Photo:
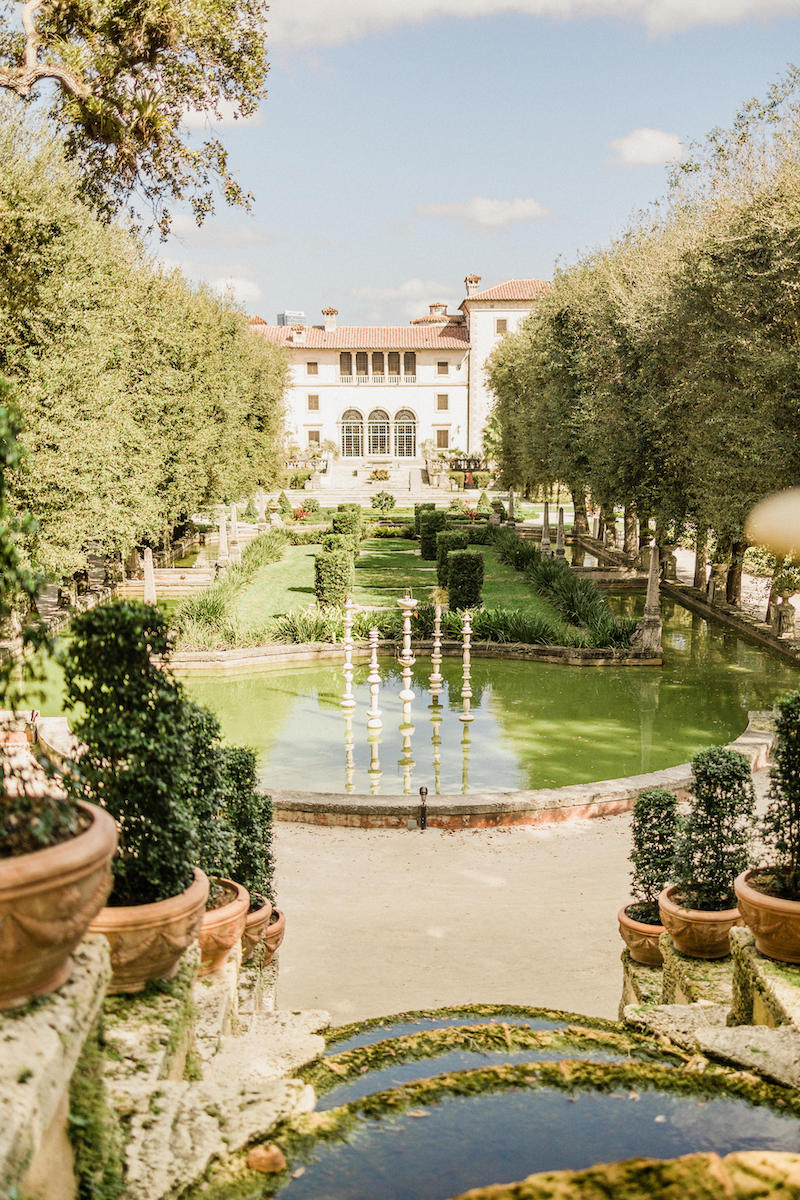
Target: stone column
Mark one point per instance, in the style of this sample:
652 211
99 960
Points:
647 635
511 517
546 550
223 557
560 533
149 577
631 542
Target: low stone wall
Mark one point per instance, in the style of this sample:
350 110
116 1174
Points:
276 654
483 810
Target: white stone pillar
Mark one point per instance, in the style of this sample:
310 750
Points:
149 577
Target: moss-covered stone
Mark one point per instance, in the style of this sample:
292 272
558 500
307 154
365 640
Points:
93 1128
640 984
754 1175
764 992
689 980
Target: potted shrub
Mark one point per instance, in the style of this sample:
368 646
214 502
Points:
136 761
653 829
55 855
698 909
769 897
228 901
249 815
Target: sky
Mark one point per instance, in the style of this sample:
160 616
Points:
404 144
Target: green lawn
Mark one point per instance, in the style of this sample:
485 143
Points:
386 567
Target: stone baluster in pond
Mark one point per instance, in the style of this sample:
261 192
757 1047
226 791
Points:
437 715
349 758
348 701
374 769
466 690
435 679
546 548
406 761
465 748
560 533
406 604
223 555
374 680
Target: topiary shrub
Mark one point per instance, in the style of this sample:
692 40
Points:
498 507
483 503
348 521
136 726
383 501
207 797
481 479
250 513
311 505
713 842
430 523
284 505
653 830
780 828
447 540
333 577
338 541
249 815
419 509
465 578
457 477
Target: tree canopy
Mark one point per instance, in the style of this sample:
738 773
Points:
662 371
121 77
141 397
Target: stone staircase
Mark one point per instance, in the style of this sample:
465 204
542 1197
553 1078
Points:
343 483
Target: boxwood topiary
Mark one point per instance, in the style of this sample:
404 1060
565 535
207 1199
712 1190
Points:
781 824
333 577
136 726
249 815
430 523
419 509
447 540
465 578
338 541
653 831
713 842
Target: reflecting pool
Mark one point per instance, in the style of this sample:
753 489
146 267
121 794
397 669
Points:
535 724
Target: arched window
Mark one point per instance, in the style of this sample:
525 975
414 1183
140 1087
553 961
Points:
378 432
405 434
352 434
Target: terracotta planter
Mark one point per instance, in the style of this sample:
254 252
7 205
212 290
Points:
774 922
696 933
255 927
641 939
47 899
274 935
148 940
221 928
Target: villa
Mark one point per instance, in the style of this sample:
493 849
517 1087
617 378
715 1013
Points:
384 393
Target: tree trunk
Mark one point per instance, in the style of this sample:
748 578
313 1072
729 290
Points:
644 529
701 557
733 583
631 543
580 526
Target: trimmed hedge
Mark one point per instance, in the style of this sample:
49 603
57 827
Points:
419 509
348 521
334 576
458 477
481 479
465 575
338 541
478 532
447 540
430 523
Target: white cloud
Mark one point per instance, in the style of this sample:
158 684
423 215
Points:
647 148
211 234
244 291
206 118
309 23
484 213
409 299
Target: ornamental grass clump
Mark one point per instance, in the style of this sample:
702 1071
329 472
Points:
653 831
714 838
780 828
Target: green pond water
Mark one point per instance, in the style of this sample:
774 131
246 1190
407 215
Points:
535 724
469 1141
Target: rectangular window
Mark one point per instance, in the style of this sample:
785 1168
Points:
362 363
410 365
313 437
443 368
313 403
501 325
377 363
345 363
442 402
312 368
442 439
394 362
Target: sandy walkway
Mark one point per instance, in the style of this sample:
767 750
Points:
383 921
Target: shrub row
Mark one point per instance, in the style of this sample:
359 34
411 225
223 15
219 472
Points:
464 579
334 576
419 509
430 523
447 540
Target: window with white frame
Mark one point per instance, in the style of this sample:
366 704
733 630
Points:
313 402
352 434
405 434
442 402
312 368
378 432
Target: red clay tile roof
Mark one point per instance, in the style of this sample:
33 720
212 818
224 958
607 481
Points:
372 337
257 321
513 289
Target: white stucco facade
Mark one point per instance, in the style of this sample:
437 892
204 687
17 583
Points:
381 393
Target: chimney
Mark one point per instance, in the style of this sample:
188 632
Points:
438 310
330 315
471 283
298 335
